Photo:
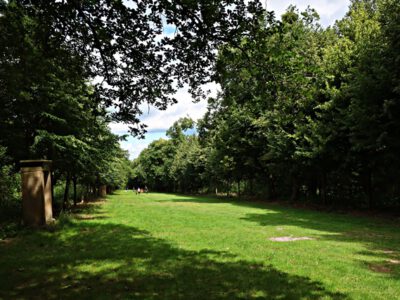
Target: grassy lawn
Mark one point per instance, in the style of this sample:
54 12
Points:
159 246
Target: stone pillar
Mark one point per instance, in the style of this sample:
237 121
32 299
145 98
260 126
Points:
103 191
36 192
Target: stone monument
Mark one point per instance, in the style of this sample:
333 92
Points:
36 192
103 191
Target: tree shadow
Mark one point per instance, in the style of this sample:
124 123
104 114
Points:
381 238
89 259
213 200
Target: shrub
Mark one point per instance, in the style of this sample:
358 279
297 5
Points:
10 189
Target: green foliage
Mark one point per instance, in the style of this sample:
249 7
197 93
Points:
121 44
153 164
10 192
177 164
176 132
48 107
68 68
304 112
309 108
188 166
117 171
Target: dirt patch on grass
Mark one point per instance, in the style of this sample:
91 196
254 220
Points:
89 217
290 239
380 268
394 261
85 217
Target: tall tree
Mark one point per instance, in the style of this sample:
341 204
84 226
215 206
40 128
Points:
122 45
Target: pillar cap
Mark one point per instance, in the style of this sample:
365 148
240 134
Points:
45 164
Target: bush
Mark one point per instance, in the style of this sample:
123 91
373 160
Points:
10 189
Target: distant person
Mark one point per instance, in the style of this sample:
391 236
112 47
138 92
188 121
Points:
146 190
138 191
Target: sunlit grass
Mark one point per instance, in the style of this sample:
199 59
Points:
159 246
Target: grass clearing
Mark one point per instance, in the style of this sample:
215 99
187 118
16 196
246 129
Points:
159 246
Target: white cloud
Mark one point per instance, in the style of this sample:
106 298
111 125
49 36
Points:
134 149
329 10
118 128
134 146
159 121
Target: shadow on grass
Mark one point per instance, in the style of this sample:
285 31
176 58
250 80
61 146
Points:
88 259
381 241
381 238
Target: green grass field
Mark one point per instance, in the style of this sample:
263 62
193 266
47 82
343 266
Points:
159 246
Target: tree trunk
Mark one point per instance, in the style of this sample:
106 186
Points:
66 191
295 189
87 192
368 186
271 187
323 188
74 181
52 190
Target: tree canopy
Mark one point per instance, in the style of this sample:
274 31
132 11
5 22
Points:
68 68
307 112
120 45
304 112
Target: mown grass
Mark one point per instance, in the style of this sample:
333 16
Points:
159 246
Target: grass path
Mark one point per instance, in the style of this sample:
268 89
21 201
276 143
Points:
159 246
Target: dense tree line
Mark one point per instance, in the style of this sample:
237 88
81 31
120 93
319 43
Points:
49 111
176 164
68 68
305 113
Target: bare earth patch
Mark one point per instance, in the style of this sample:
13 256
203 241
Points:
290 239
85 217
380 268
394 261
90 216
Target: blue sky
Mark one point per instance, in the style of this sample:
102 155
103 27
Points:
159 121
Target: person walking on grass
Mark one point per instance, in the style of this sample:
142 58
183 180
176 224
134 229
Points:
138 191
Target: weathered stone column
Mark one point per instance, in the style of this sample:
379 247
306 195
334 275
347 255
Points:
103 191
36 192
